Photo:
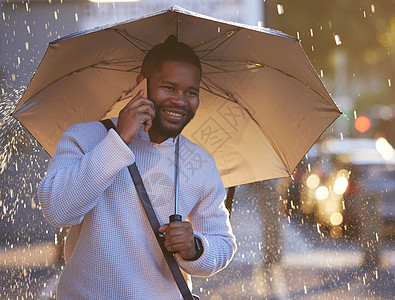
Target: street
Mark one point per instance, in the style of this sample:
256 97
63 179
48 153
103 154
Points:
310 266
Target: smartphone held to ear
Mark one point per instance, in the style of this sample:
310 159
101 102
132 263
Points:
124 99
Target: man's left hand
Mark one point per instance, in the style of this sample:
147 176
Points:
179 238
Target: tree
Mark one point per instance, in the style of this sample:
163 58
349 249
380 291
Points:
364 29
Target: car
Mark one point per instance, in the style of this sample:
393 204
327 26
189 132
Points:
346 185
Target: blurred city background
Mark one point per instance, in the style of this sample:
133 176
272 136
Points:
325 233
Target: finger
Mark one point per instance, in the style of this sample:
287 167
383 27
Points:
137 103
180 224
146 119
174 247
148 125
163 228
138 96
174 235
147 109
176 240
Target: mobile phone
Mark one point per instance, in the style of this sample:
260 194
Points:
124 99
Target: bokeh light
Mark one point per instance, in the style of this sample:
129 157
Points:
313 181
362 124
336 218
340 186
322 193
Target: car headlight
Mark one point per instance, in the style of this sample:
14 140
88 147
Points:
340 185
313 181
322 193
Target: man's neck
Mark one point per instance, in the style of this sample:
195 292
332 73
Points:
157 138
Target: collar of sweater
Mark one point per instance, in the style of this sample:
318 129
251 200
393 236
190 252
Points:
145 136
147 145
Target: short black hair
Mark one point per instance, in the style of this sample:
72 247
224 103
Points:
169 50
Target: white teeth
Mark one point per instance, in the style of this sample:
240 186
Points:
174 114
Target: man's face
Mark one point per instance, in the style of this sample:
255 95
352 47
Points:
175 92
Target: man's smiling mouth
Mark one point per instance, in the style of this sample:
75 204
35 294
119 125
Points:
173 114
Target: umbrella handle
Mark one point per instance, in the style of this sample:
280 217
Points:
175 217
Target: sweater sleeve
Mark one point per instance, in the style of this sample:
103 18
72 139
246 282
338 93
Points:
79 172
211 224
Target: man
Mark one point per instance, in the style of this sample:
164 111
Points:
111 251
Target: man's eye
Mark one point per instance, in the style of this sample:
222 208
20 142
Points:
191 94
169 88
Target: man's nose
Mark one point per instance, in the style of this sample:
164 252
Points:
178 98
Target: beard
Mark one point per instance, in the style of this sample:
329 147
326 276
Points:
169 130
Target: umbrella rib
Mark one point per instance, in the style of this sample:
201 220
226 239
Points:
228 35
256 66
177 24
253 65
230 97
95 66
113 69
121 33
216 94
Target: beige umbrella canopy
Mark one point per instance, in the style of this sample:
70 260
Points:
262 105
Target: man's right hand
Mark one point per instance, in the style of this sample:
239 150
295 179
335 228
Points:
137 112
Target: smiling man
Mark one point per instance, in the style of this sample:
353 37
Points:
111 251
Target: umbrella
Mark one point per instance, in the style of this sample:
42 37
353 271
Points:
262 105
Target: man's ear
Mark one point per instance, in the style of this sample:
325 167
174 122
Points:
139 78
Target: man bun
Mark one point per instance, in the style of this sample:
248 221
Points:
171 39
170 50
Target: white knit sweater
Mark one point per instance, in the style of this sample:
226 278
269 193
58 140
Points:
111 251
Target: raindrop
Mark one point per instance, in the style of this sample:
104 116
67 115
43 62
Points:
27 46
322 73
55 14
76 17
337 40
311 32
372 8
3 16
389 82
364 14
280 9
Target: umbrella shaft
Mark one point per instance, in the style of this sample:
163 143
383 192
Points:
177 175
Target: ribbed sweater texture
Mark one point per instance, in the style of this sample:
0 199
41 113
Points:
111 251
